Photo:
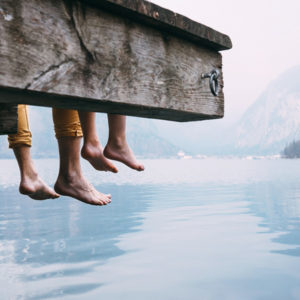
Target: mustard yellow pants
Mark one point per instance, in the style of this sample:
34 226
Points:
66 123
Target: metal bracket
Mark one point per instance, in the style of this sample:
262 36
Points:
213 81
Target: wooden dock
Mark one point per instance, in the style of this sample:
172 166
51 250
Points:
128 57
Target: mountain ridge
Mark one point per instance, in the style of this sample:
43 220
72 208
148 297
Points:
273 120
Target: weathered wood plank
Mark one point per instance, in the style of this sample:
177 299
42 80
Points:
13 95
167 20
8 118
70 50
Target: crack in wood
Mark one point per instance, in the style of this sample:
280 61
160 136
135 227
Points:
91 57
53 68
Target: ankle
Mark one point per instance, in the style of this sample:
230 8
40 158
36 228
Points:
30 175
94 142
69 177
117 142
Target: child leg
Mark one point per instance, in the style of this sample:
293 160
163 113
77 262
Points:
117 147
31 184
70 180
92 149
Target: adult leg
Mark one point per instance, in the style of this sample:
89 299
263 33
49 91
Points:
92 149
117 147
31 184
70 181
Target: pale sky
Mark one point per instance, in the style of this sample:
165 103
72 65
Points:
266 42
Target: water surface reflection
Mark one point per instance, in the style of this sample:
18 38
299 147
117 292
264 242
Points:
230 233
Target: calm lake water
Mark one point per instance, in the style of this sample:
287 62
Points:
183 229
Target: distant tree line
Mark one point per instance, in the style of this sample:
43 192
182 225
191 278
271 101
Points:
292 150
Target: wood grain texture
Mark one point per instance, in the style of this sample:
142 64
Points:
164 19
70 50
8 119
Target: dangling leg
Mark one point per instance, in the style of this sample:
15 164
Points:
31 184
92 149
70 181
117 147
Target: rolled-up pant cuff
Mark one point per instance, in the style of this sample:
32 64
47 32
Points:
66 123
23 137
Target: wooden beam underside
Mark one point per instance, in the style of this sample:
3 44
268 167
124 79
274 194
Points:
12 96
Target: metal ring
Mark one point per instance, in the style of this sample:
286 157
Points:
213 81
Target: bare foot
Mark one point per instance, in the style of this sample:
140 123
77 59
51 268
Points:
93 152
77 187
36 189
121 152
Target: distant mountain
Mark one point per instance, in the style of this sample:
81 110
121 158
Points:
142 135
273 120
